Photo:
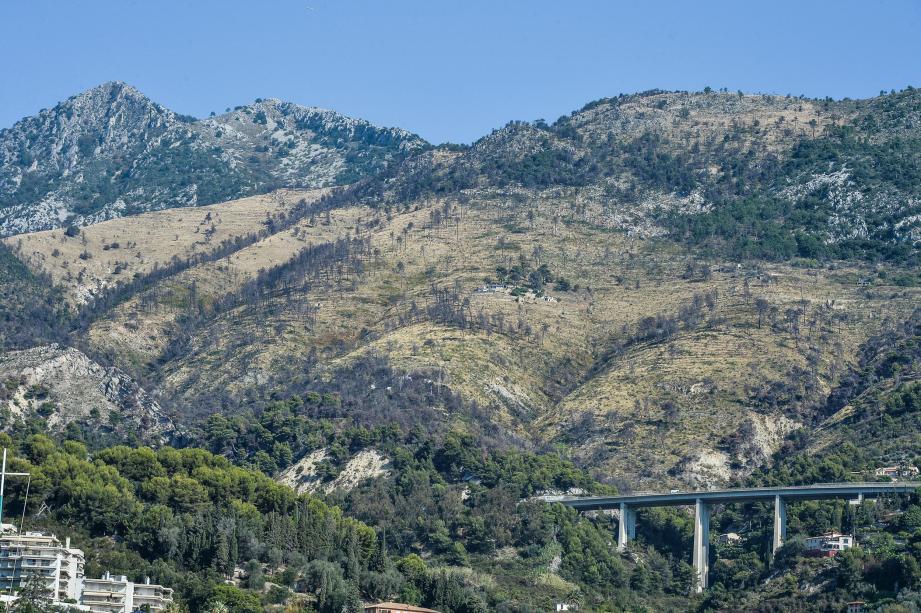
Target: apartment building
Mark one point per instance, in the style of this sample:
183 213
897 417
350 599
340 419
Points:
115 594
30 554
60 566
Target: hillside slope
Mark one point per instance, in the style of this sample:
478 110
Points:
741 176
665 285
648 366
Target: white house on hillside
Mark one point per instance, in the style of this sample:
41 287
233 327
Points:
829 544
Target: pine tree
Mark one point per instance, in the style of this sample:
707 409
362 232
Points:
33 597
222 554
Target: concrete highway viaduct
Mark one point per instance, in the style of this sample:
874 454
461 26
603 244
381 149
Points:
702 502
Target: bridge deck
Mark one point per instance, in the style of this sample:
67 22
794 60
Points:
797 492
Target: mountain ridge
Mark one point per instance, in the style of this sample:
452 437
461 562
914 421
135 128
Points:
111 151
633 196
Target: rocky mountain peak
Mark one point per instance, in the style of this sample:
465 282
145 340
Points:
269 115
112 90
111 151
108 119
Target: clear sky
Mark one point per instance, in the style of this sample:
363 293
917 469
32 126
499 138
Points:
448 70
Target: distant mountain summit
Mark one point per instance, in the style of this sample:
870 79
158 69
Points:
300 146
111 151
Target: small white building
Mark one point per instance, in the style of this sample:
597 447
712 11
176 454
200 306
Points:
115 594
894 472
730 538
829 544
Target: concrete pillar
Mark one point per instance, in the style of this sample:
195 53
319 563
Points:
780 523
701 543
626 528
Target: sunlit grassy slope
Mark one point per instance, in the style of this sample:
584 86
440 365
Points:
711 396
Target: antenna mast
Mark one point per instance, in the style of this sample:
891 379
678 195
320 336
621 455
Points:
3 475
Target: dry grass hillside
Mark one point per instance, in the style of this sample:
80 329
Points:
102 255
139 329
767 123
580 283
650 364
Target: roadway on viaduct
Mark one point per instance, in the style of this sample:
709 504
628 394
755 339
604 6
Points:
703 500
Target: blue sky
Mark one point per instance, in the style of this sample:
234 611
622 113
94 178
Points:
448 70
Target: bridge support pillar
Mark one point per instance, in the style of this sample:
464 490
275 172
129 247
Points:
780 523
701 556
626 528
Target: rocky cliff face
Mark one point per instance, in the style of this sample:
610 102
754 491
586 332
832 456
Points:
299 146
51 164
111 151
62 385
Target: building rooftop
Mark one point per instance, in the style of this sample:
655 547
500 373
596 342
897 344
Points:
399 607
